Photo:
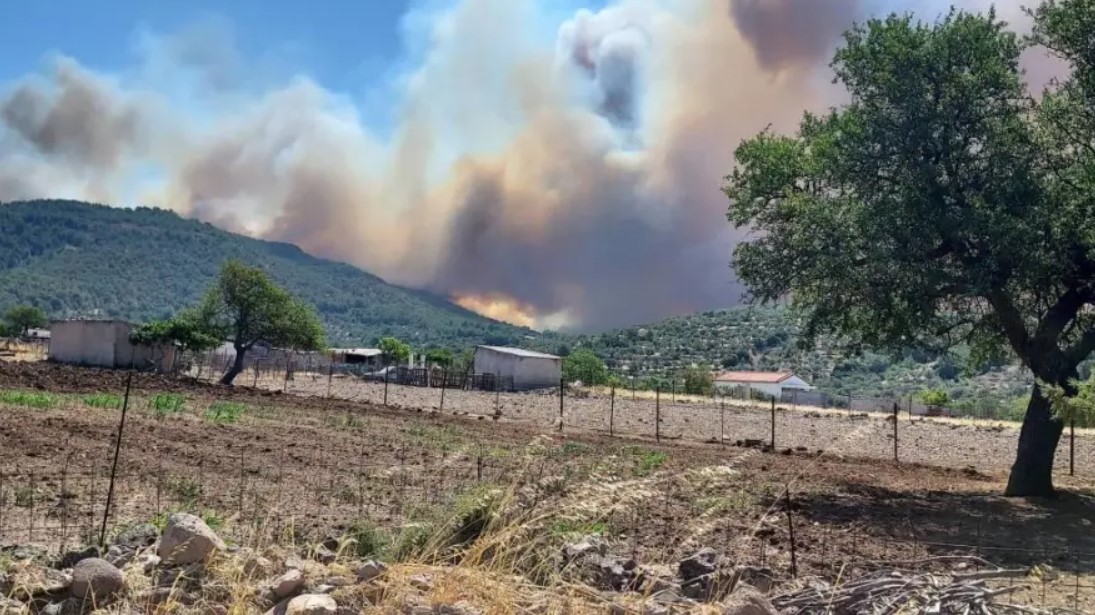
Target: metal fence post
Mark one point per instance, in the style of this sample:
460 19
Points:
611 411
330 376
114 465
560 405
773 424
658 413
386 371
896 409
722 419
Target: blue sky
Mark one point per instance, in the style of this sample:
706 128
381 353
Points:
340 44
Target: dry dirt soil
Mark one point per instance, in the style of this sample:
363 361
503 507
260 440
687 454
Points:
300 465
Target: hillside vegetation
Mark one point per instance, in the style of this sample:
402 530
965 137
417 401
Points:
77 259
767 339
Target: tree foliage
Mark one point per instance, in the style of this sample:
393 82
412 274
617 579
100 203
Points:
22 318
395 351
184 331
247 307
942 205
585 366
441 357
698 381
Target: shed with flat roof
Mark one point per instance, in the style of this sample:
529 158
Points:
528 369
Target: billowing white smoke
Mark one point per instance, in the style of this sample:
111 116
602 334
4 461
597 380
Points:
577 180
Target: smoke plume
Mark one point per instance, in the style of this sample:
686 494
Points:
565 182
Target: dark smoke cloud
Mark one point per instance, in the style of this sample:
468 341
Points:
793 33
580 185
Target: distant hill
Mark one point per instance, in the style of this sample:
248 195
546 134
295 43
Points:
766 339
78 259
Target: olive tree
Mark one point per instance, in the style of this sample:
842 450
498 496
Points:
245 306
942 205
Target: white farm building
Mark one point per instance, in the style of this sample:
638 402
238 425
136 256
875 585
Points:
104 343
772 384
528 369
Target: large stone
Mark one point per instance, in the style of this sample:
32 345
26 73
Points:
96 580
71 558
312 604
747 601
11 606
187 540
287 584
700 564
370 570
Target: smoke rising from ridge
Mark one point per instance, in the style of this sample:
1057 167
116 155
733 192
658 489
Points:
566 182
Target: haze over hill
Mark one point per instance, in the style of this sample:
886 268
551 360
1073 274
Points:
563 168
77 259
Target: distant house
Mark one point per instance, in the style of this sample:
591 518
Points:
772 384
356 356
104 343
529 370
38 334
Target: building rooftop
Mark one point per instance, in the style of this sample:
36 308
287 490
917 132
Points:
364 352
758 377
520 352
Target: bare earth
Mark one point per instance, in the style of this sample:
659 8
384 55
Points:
298 464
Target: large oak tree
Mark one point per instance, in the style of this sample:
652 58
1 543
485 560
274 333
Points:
245 306
942 205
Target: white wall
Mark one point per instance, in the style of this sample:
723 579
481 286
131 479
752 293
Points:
84 342
103 343
768 388
527 372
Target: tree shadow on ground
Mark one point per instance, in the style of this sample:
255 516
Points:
1006 531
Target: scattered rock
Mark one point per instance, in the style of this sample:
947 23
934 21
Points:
747 601
460 608
338 581
11 606
96 580
295 562
119 557
763 579
187 539
71 558
19 553
69 606
370 570
148 562
699 564
28 580
311 604
258 566
137 537
421 582
589 545
323 555
287 584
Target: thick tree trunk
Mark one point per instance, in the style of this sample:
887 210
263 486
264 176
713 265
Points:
1032 473
237 367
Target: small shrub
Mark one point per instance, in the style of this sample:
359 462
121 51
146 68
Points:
569 528
575 449
167 404
186 490
474 511
225 412
647 461
29 399
25 497
367 540
103 400
411 541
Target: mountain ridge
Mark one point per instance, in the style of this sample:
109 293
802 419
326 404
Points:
76 259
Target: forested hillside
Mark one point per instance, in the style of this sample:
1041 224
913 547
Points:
77 259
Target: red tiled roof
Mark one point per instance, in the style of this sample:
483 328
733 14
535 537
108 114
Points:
760 377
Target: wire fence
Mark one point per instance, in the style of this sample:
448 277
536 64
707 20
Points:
897 429
268 488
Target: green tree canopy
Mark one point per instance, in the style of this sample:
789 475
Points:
184 331
441 357
942 205
698 381
395 351
245 306
585 366
22 318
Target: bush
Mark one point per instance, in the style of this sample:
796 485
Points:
36 399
